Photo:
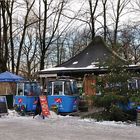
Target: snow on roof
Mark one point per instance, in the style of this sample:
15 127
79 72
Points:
71 68
133 65
76 62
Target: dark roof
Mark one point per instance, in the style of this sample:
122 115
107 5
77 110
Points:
96 52
86 61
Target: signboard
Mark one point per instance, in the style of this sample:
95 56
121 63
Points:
44 105
3 105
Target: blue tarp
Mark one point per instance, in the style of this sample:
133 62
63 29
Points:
10 77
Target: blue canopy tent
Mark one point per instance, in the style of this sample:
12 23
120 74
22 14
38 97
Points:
8 84
10 77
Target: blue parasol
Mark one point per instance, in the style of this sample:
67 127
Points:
10 77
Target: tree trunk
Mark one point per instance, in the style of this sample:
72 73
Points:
105 26
92 17
117 22
23 35
5 41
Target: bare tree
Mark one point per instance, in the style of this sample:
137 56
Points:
29 5
50 24
35 31
104 17
3 36
130 43
9 9
30 53
92 16
137 7
118 12
87 16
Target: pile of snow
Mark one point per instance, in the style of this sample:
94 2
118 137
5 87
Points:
14 114
11 114
52 115
108 123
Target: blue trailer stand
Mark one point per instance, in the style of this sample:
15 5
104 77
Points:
27 96
63 93
64 103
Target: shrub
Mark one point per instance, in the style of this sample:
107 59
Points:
115 94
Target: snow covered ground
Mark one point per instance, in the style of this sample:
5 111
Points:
56 127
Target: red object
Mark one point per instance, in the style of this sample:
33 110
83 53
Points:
58 100
22 107
20 100
35 102
44 105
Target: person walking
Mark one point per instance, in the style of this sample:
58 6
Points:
38 109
